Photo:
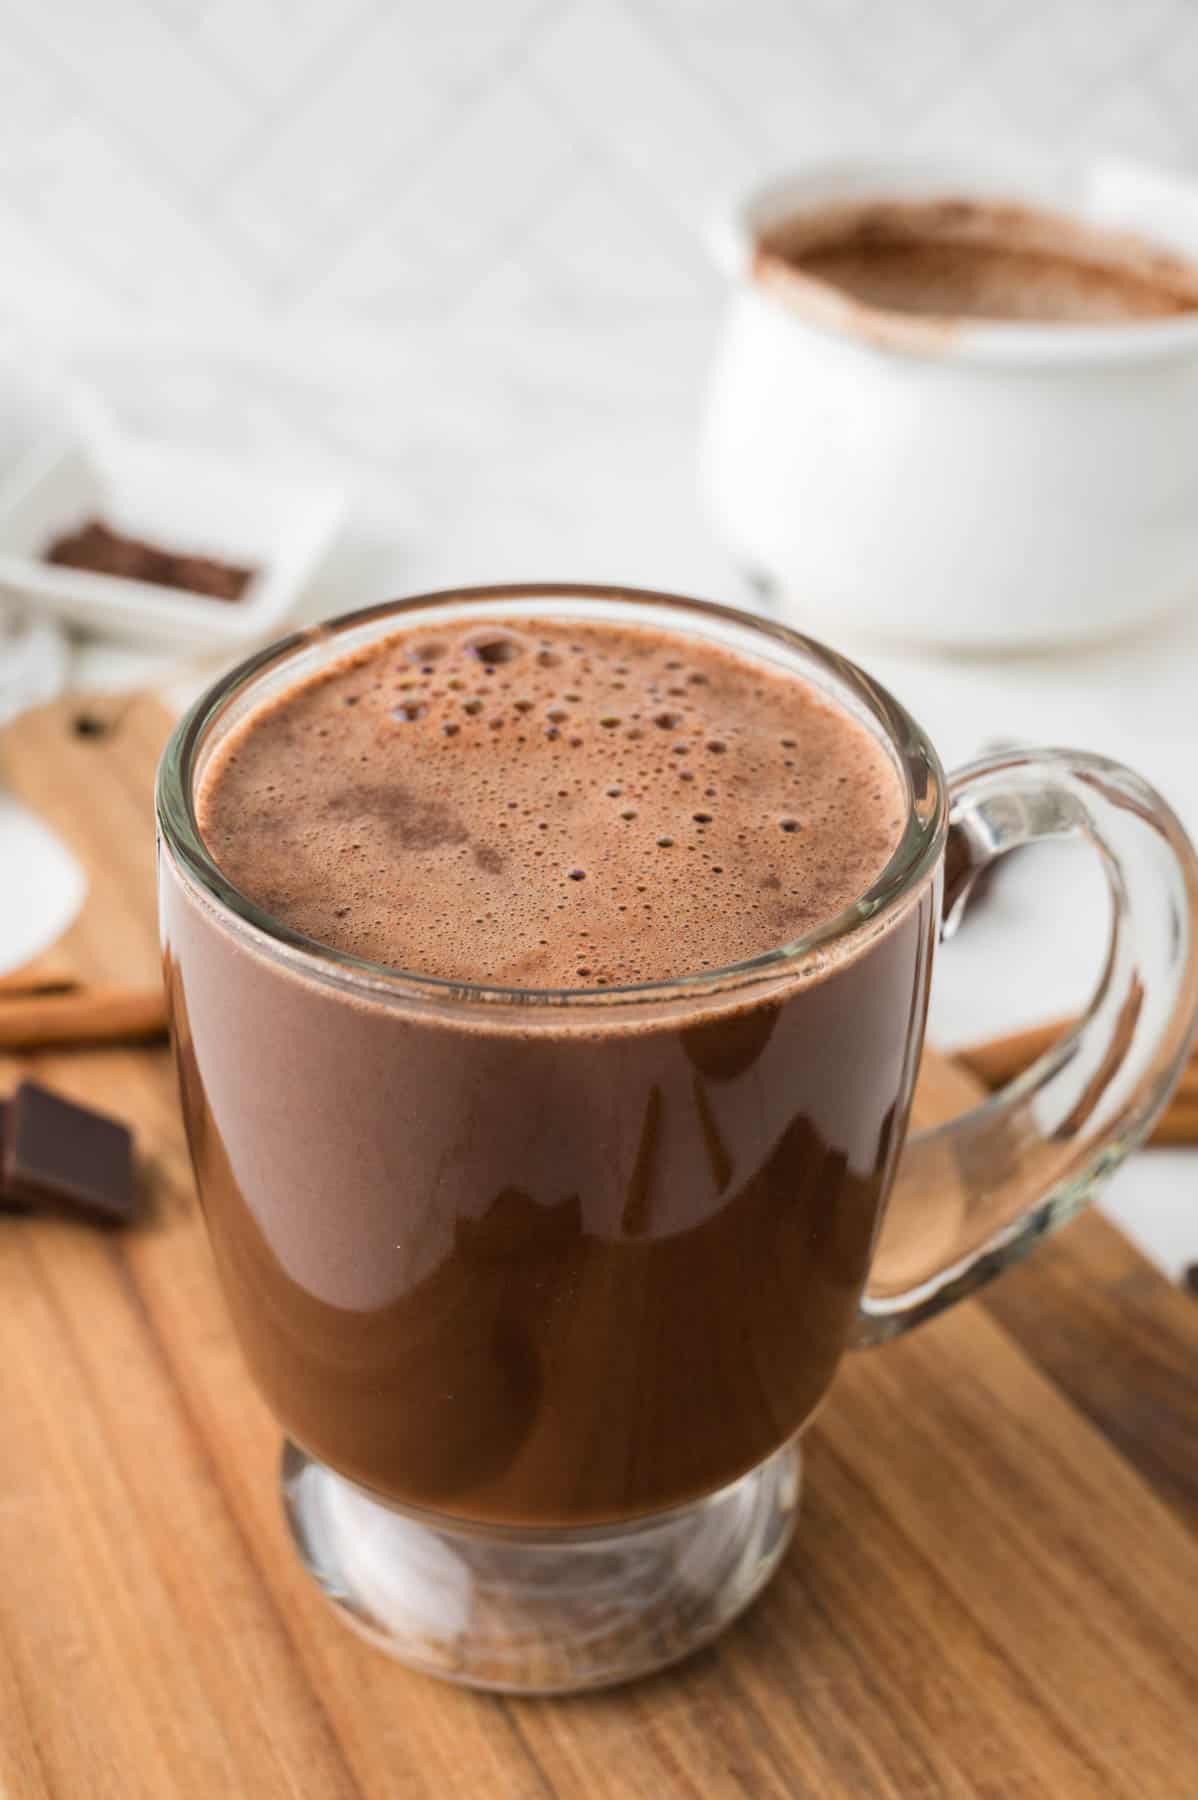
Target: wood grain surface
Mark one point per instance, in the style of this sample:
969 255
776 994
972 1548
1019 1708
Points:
993 1590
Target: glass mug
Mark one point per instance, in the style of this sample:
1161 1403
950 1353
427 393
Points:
543 1286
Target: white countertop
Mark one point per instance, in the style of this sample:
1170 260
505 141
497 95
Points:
534 452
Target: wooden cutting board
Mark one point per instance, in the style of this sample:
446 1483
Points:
993 1590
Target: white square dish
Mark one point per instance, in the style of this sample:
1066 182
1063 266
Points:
199 502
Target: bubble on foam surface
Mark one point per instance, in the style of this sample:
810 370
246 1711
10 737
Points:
357 806
494 648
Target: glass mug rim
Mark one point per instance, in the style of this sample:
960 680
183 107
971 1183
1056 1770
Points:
915 855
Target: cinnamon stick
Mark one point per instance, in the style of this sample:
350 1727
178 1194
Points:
1178 1124
83 1015
49 974
1001 1059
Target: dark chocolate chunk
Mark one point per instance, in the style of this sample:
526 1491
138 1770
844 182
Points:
8 1202
58 1154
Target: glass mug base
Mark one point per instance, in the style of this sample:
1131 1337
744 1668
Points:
540 1611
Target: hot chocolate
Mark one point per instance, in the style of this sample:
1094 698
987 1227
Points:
551 806
518 1260
957 258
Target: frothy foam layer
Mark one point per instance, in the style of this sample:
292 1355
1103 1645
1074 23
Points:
543 805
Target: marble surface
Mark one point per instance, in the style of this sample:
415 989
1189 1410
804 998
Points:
502 453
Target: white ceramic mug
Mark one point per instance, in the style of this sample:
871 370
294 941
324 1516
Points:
990 486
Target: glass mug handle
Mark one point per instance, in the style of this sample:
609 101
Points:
973 1195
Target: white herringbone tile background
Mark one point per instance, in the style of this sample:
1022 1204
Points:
374 161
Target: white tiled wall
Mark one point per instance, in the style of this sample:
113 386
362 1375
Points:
372 160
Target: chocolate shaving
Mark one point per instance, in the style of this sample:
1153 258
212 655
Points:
100 550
